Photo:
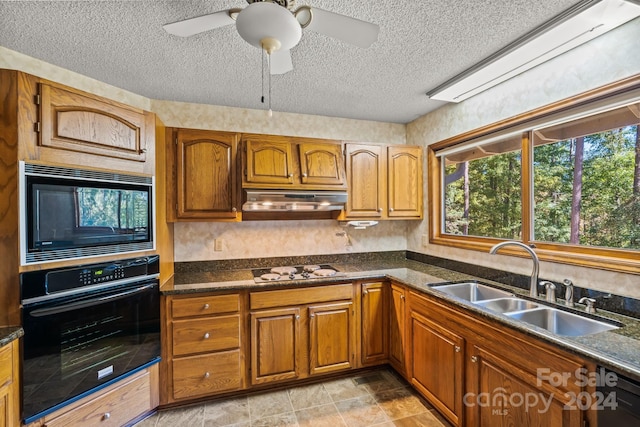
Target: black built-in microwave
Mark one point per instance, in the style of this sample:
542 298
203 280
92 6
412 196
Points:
71 213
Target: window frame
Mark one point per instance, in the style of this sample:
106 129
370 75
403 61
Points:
621 260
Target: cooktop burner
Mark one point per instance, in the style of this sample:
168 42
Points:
300 272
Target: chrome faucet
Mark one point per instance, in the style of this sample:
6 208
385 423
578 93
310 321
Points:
569 293
533 291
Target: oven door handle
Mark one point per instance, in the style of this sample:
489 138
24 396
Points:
41 312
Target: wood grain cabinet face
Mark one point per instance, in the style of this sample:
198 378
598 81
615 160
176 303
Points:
404 181
437 365
331 332
269 162
374 323
321 164
206 174
203 345
276 347
397 327
366 175
80 122
9 386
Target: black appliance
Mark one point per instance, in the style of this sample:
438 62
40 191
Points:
620 401
76 213
85 328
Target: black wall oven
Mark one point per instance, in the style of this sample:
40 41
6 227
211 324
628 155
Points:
85 328
71 213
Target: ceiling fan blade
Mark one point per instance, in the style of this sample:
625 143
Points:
280 62
192 26
341 27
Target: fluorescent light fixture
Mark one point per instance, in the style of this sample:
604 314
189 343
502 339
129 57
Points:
577 25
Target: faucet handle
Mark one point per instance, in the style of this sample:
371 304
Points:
591 304
551 290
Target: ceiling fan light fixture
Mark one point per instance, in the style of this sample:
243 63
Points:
265 20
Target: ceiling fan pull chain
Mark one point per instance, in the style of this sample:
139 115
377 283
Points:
262 80
269 61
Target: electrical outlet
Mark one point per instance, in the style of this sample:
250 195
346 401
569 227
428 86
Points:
425 240
218 245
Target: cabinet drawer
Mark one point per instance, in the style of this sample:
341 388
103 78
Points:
6 365
201 306
287 297
206 374
114 408
210 334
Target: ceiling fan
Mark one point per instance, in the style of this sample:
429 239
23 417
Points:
273 25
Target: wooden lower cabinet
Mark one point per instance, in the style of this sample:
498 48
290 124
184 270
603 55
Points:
375 319
202 346
276 346
331 337
9 385
479 373
397 303
437 364
116 405
297 333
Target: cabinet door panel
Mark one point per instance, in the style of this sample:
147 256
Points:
502 394
206 170
405 181
84 123
321 163
366 176
331 337
374 323
275 345
269 162
396 328
437 365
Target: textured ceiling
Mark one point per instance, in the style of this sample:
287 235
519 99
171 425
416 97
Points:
422 43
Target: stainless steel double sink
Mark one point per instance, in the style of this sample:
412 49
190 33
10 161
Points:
554 320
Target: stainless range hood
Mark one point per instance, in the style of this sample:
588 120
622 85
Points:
293 200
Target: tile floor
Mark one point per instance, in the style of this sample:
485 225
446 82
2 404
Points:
376 398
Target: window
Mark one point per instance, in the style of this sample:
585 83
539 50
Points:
566 180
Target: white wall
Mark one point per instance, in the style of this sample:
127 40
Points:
611 57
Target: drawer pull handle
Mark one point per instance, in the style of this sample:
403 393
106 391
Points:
207 374
206 307
474 359
206 336
106 416
457 348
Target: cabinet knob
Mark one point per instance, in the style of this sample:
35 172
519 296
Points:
290 175
390 209
402 297
207 374
379 209
106 416
364 292
457 348
474 359
234 209
205 307
144 150
297 317
206 336
312 315
304 174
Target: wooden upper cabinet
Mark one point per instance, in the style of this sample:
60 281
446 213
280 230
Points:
405 181
268 162
282 162
206 175
77 121
366 176
321 164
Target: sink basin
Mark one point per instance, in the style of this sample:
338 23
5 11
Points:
505 305
561 322
471 291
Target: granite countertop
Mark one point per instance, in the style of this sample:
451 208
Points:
618 350
10 333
